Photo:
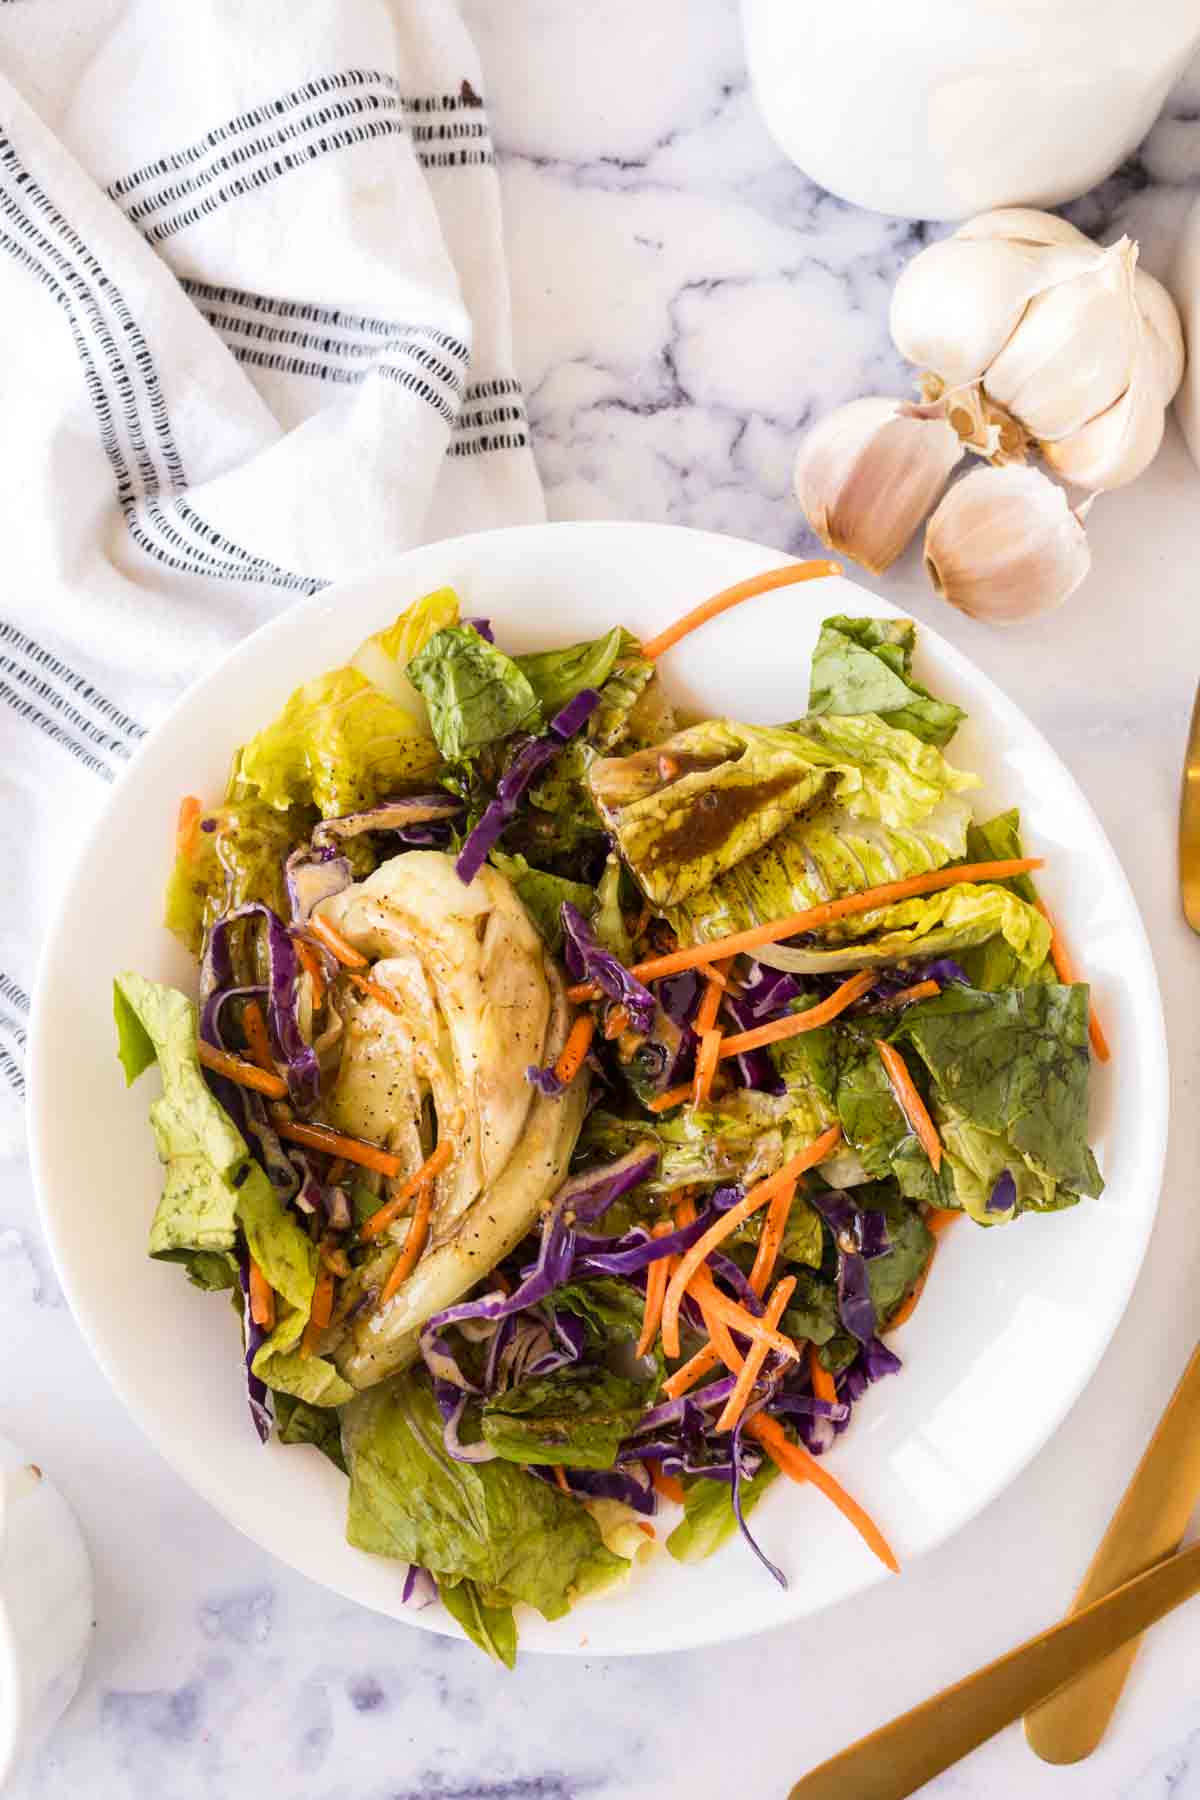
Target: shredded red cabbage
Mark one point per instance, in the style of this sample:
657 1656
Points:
419 1587
1003 1196
588 960
298 1057
575 714
412 815
312 876
528 763
483 627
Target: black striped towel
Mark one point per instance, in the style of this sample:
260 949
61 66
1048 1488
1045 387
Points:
256 338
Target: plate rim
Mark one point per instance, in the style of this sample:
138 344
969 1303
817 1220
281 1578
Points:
283 624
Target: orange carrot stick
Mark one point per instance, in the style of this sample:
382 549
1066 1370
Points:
690 1373
707 1058
657 1276
262 1298
743 1387
335 1143
414 1243
692 1259
616 1021
310 962
319 1313
732 596
186 824
245 1074
824 1387
376 991
920 990
815 917
704 1292
738 1319
434 1163
936 1221
669 1486
794 1460
772 1238
939 1217
911 1103
706 1012
561 1478
254 1029
1064 968
335 943
579 1042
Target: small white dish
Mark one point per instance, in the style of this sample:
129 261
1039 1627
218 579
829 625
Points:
45 1606
1014 1320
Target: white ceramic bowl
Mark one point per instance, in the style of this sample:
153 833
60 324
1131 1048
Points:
45 1606
1014 1320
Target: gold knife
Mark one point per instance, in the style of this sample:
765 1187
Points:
901 1757
1151 1519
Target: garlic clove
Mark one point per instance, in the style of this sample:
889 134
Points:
1026 225
1161 322
1004 544
1117 445
1073 355
957 304
868 474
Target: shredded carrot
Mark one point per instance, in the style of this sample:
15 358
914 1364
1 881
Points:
911 1103
376 991
245 1074
310 962
743 1387
939 1217
920 990
707 1058
732 596
579 1042
1064 968
319 1313
335 943
646 1529
692 1259
657 1276
795 1460
254 1030
262 1298
616 1021
843 996
414 1244
824 1387
704 1292
706 1013
434 1163
335 1143
561 1478
690 1373
714 1302
815 917
772 1238
186 825
669 1486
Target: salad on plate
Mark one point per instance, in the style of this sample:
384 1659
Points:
574 1091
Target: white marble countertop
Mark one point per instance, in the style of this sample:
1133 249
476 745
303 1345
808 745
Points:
685 301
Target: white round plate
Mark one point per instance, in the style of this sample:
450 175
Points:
1014 1320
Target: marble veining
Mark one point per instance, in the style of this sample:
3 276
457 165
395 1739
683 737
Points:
685 302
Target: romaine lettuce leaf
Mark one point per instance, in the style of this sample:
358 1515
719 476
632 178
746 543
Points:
611 1309
634 709
934 925
740 1137
517 1537
474 693
994 964
384 657
312 1379
576 1417
296 1422
865 666
708 1516
492 1629
543 895
556 676
236 855
893 808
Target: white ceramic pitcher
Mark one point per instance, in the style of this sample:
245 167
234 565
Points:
940 109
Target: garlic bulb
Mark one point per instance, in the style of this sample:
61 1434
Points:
1004 544
1078 344
868 474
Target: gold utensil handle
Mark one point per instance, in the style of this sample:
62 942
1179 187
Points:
1148 1525
1189 824
901 1757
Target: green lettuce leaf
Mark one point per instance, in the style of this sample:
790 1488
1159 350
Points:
865 666
312 1379
941 924
384 657
492 1629
556 676
474 693
813 1312
236 856
211 1270
608 921
543 895
803 1238
994 964
516 1537
742 1136
1013 1068
298 1423
208 1167
708 1516
576 1417
610 1308
892 1277
279 1245
893 807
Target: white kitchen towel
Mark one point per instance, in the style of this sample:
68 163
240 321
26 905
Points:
254 336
